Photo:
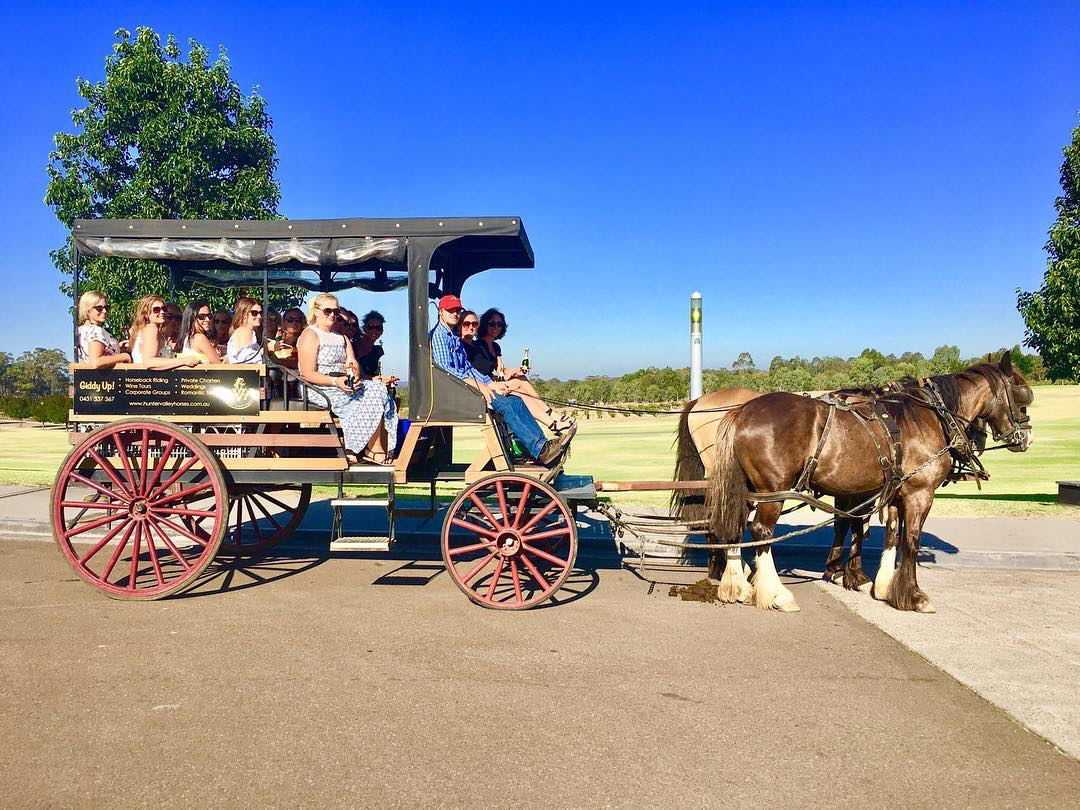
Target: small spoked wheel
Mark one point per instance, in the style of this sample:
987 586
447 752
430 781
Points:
139 508
261 517
509 542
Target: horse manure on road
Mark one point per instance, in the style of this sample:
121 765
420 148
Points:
703 590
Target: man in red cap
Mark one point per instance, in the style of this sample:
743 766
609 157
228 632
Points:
448 353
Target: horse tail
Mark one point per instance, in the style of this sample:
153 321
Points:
726 497
687 504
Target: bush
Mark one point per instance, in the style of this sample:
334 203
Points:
52 408
15 407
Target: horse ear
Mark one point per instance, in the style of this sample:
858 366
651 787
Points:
1006 362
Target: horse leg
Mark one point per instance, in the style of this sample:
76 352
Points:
768 591
905 593
734 584
855 579
887 567
834 566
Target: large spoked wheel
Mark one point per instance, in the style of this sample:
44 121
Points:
139 509
261 517
509 542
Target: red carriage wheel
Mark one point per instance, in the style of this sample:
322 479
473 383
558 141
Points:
261 517
139 508
509 541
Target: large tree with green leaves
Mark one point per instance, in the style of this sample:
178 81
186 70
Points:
161 137
1052 313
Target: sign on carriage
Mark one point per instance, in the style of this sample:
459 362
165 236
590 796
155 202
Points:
178 392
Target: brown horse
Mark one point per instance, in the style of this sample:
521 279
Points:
765 443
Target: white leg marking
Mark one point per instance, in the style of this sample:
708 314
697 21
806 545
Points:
769 592
884 577
734 586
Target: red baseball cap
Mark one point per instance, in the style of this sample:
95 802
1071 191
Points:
450 302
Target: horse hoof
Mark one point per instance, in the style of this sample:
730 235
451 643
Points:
787 606
866 587
925 607
835 577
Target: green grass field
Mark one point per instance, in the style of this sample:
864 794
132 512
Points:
629 448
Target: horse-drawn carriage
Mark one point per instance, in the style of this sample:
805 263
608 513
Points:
171 468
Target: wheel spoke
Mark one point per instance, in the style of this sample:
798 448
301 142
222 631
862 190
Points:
133 577
255 521
495 578
83 560
182 531
116 554
540 579
551 558
239 522
108 470
153 556
540 514
87 482
480 567
187 465
457 552
255 499
484 510
122 451
502 502
546 535
168 543
184 493
162 463
175 510
92 505
276 502
520 511
144 452
92 525
466 524
517 580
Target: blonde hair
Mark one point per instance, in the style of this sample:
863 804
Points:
141 316
87 300
316 305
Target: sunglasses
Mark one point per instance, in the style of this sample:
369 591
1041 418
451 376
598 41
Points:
203 317
372 327
496 323
294 320
169 317
473 324
220 320
255 313
330 311
100 307
157 310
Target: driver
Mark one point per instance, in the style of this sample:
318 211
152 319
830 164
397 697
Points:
448 353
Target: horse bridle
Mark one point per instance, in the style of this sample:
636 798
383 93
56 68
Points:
1019 422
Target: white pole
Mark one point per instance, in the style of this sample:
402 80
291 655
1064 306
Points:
695 345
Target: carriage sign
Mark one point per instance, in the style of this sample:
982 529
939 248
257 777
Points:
178 392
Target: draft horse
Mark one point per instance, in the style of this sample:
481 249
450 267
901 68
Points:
765 442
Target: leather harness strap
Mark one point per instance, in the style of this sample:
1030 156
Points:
811 464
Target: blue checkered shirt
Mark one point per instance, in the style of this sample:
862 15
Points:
448 352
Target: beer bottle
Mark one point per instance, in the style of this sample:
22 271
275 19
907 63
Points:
525 361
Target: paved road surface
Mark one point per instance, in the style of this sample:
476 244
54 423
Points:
344 682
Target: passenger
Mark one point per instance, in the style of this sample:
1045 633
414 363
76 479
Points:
171 331
368 353
466 330
147 339
448 353
284 348
273 325
195 333
487 358
244 345
221 322
96 346
367 413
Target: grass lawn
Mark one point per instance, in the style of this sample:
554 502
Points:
629 448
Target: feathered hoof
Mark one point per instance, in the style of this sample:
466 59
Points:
733 586
925 607
769 599
835 577
866 587
786 604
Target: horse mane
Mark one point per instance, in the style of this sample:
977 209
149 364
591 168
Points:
948 384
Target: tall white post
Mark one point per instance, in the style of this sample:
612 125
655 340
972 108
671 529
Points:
695 345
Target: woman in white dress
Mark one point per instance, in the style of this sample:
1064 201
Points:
146 336
367 412
96 346
244 345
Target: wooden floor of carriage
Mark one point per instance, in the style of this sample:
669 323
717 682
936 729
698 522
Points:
363 682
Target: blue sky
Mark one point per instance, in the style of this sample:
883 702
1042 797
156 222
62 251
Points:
830 176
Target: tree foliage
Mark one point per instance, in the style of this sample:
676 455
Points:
161 137
1052 313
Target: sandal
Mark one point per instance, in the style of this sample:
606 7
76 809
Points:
377 457
562 424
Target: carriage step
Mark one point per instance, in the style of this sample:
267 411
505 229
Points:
361 543
383 502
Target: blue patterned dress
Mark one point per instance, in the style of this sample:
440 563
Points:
360 411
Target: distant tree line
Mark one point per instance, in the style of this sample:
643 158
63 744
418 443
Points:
870 368
34 385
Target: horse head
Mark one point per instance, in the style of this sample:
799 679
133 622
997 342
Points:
1006 407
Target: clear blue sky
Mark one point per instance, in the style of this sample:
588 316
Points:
830 176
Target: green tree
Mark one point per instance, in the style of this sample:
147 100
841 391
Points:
39 373
161 137
744 362
1052 313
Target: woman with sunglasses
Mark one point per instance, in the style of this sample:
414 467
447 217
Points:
488 355
244 345
368 353
97 347
219 330
147 339
195 330
284 348
367 413
171 331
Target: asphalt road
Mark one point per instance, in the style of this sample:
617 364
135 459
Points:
347 682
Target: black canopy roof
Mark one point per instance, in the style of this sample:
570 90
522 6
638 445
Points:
319 254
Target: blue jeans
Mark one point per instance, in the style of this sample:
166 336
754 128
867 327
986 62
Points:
516 414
